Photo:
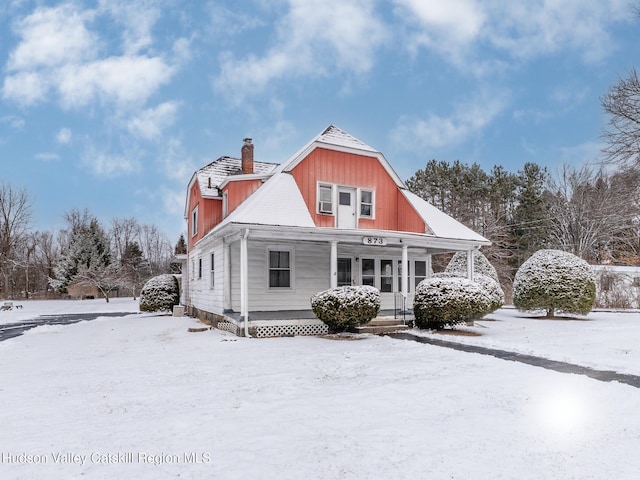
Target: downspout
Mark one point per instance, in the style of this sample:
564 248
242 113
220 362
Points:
244 282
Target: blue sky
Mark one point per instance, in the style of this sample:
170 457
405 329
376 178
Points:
111 105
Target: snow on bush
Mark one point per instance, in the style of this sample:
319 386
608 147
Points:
159 293
346 307
491 287
443 301
458 265
555 281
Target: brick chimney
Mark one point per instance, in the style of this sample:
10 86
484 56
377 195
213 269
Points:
247 156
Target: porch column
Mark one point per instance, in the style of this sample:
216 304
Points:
429 265
226 272
334 263
470 264
244 281
405 271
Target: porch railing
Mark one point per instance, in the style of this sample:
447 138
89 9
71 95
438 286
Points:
402 306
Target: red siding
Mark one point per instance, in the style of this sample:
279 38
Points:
209 214
239 191
392 211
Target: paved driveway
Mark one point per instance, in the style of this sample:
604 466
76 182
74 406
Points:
11 330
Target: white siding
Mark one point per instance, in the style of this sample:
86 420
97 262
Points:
201 295
310 275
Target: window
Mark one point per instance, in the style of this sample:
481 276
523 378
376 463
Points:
279 269
366 203
199 268
194 222
344 272
386 275
325 199
420 271
213 270
369 271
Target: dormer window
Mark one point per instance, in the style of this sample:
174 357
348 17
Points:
325 199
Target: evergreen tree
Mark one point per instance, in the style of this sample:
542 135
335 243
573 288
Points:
86 259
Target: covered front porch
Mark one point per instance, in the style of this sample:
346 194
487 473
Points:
289 265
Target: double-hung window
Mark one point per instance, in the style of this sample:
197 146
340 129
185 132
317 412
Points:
366 204
279 269
199 268
325 199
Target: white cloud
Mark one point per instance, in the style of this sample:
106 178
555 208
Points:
26 88
103 164
13 121
59 55
63 136
52 37
462 29
137 18
315 38
126 81
436 132
150 123
456 22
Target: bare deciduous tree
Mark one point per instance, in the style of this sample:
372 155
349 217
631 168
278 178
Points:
15 220
622 104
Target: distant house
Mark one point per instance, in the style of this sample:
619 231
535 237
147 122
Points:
617 286
263 238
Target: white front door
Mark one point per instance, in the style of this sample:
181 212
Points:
347 208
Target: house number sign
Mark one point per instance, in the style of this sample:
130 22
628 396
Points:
374 241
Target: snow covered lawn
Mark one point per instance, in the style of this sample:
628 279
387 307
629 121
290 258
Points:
141 397
602 340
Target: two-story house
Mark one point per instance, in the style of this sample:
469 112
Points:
263 238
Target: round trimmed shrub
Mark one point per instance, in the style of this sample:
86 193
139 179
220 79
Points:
347 307
555 281
491 287
441 302
160 293
458 265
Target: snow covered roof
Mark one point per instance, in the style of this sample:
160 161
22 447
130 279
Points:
333 135
223 167
439 223
278 202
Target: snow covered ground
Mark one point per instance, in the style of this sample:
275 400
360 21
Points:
141 397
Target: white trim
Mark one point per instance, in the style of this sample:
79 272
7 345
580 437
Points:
194 221
320 203
373 203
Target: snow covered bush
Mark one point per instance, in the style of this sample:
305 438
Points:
491 287
458 265
159 293
346 307
555 281
444 301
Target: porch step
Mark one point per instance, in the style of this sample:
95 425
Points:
380 329
381 325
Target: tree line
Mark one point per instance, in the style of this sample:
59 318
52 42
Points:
593 213
113 259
